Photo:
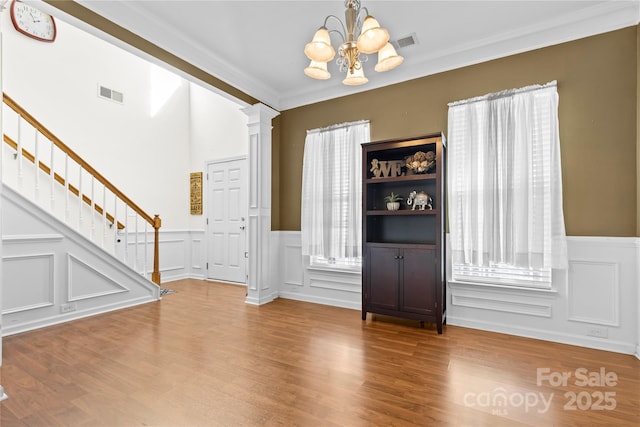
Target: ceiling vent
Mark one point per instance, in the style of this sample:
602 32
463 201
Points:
110 94
406 41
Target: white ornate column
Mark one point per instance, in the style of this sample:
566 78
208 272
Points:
260 290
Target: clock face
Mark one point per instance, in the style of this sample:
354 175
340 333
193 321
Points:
33 22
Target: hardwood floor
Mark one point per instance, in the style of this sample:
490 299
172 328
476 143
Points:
202 357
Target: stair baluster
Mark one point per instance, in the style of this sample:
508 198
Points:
113 225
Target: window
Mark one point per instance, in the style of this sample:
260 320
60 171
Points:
505 188
332 195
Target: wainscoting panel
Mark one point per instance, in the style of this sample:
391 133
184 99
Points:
343 281
55 274
197 255
318 285
85 281
496 301
181 253
594 303
292 265
253 263
594 292
36 282
174 248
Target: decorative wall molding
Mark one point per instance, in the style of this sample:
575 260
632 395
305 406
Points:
292 264
526 301
567 313
30 239
75 278
593 304
605 269
571 312
495 304
320 285
594 292
181 253
83 281
36 272
344 281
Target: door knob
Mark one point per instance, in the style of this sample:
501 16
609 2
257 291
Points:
242 227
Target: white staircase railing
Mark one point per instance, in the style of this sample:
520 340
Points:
42 168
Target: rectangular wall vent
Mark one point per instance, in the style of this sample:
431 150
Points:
110 94
406 41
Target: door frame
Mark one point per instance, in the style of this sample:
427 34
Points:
205 210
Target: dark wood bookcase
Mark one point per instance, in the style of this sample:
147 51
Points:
403 269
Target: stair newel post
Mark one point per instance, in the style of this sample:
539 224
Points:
155 276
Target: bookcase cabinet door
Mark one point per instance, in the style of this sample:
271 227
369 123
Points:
383 278
418 289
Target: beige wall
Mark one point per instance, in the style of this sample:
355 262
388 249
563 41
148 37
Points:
597 83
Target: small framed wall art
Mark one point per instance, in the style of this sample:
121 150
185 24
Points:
196 193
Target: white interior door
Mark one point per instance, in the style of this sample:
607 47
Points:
226 220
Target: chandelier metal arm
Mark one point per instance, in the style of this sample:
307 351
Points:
361 14
343 34
339 33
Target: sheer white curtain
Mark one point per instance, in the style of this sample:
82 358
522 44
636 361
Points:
505 186
332 194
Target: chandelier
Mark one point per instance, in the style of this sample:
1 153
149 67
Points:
361 35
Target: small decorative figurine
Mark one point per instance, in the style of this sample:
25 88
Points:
375 168
421 199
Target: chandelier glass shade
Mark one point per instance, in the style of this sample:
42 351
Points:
361 35
318 70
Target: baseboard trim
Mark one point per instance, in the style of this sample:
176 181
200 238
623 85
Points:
321 300
55 320
262 300
545 335
180 277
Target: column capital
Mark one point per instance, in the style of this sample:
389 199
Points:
260 113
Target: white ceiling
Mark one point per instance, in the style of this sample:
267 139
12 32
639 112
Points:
257 46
